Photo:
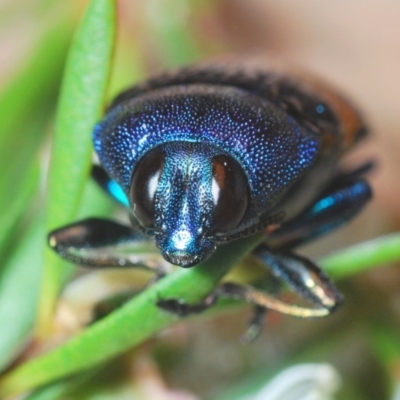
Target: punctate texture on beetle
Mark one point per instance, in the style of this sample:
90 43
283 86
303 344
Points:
214 152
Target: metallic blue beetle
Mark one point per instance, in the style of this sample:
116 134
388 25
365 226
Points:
213 153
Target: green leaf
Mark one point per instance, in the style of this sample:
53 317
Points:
19 288
384 340
128 326
363 256
27 103
21 196
61 389
20 278
80 106
35 87
140 319
26 106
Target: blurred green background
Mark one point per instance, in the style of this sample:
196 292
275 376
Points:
357 51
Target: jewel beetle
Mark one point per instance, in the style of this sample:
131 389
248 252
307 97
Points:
215 152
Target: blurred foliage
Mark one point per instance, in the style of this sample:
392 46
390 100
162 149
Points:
166 34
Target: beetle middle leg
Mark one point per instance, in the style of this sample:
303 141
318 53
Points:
342 200
110 186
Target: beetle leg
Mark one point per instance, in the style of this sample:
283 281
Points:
264 300
339 203
356 172
299 273
261 301
255 325
109 185
181 308
303 276
98 242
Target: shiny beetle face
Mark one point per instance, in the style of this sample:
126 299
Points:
205 156
186 194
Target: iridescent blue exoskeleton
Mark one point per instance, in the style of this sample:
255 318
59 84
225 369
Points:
210 154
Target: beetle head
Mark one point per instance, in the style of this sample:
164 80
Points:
187 194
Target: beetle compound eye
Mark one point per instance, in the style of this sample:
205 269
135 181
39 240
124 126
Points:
229 191
145 178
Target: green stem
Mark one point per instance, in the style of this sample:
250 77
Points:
363 256
80 106
128 326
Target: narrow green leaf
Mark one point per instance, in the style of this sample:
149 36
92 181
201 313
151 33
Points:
36 84
53 392
80 105
140 318
21 197
385 342
130 325
363 256
27 104
19 288
61 389
20 278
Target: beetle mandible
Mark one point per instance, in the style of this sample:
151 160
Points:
216 152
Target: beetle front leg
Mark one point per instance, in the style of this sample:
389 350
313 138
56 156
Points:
96 242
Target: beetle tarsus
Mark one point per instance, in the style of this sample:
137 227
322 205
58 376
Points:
255 325
183 309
